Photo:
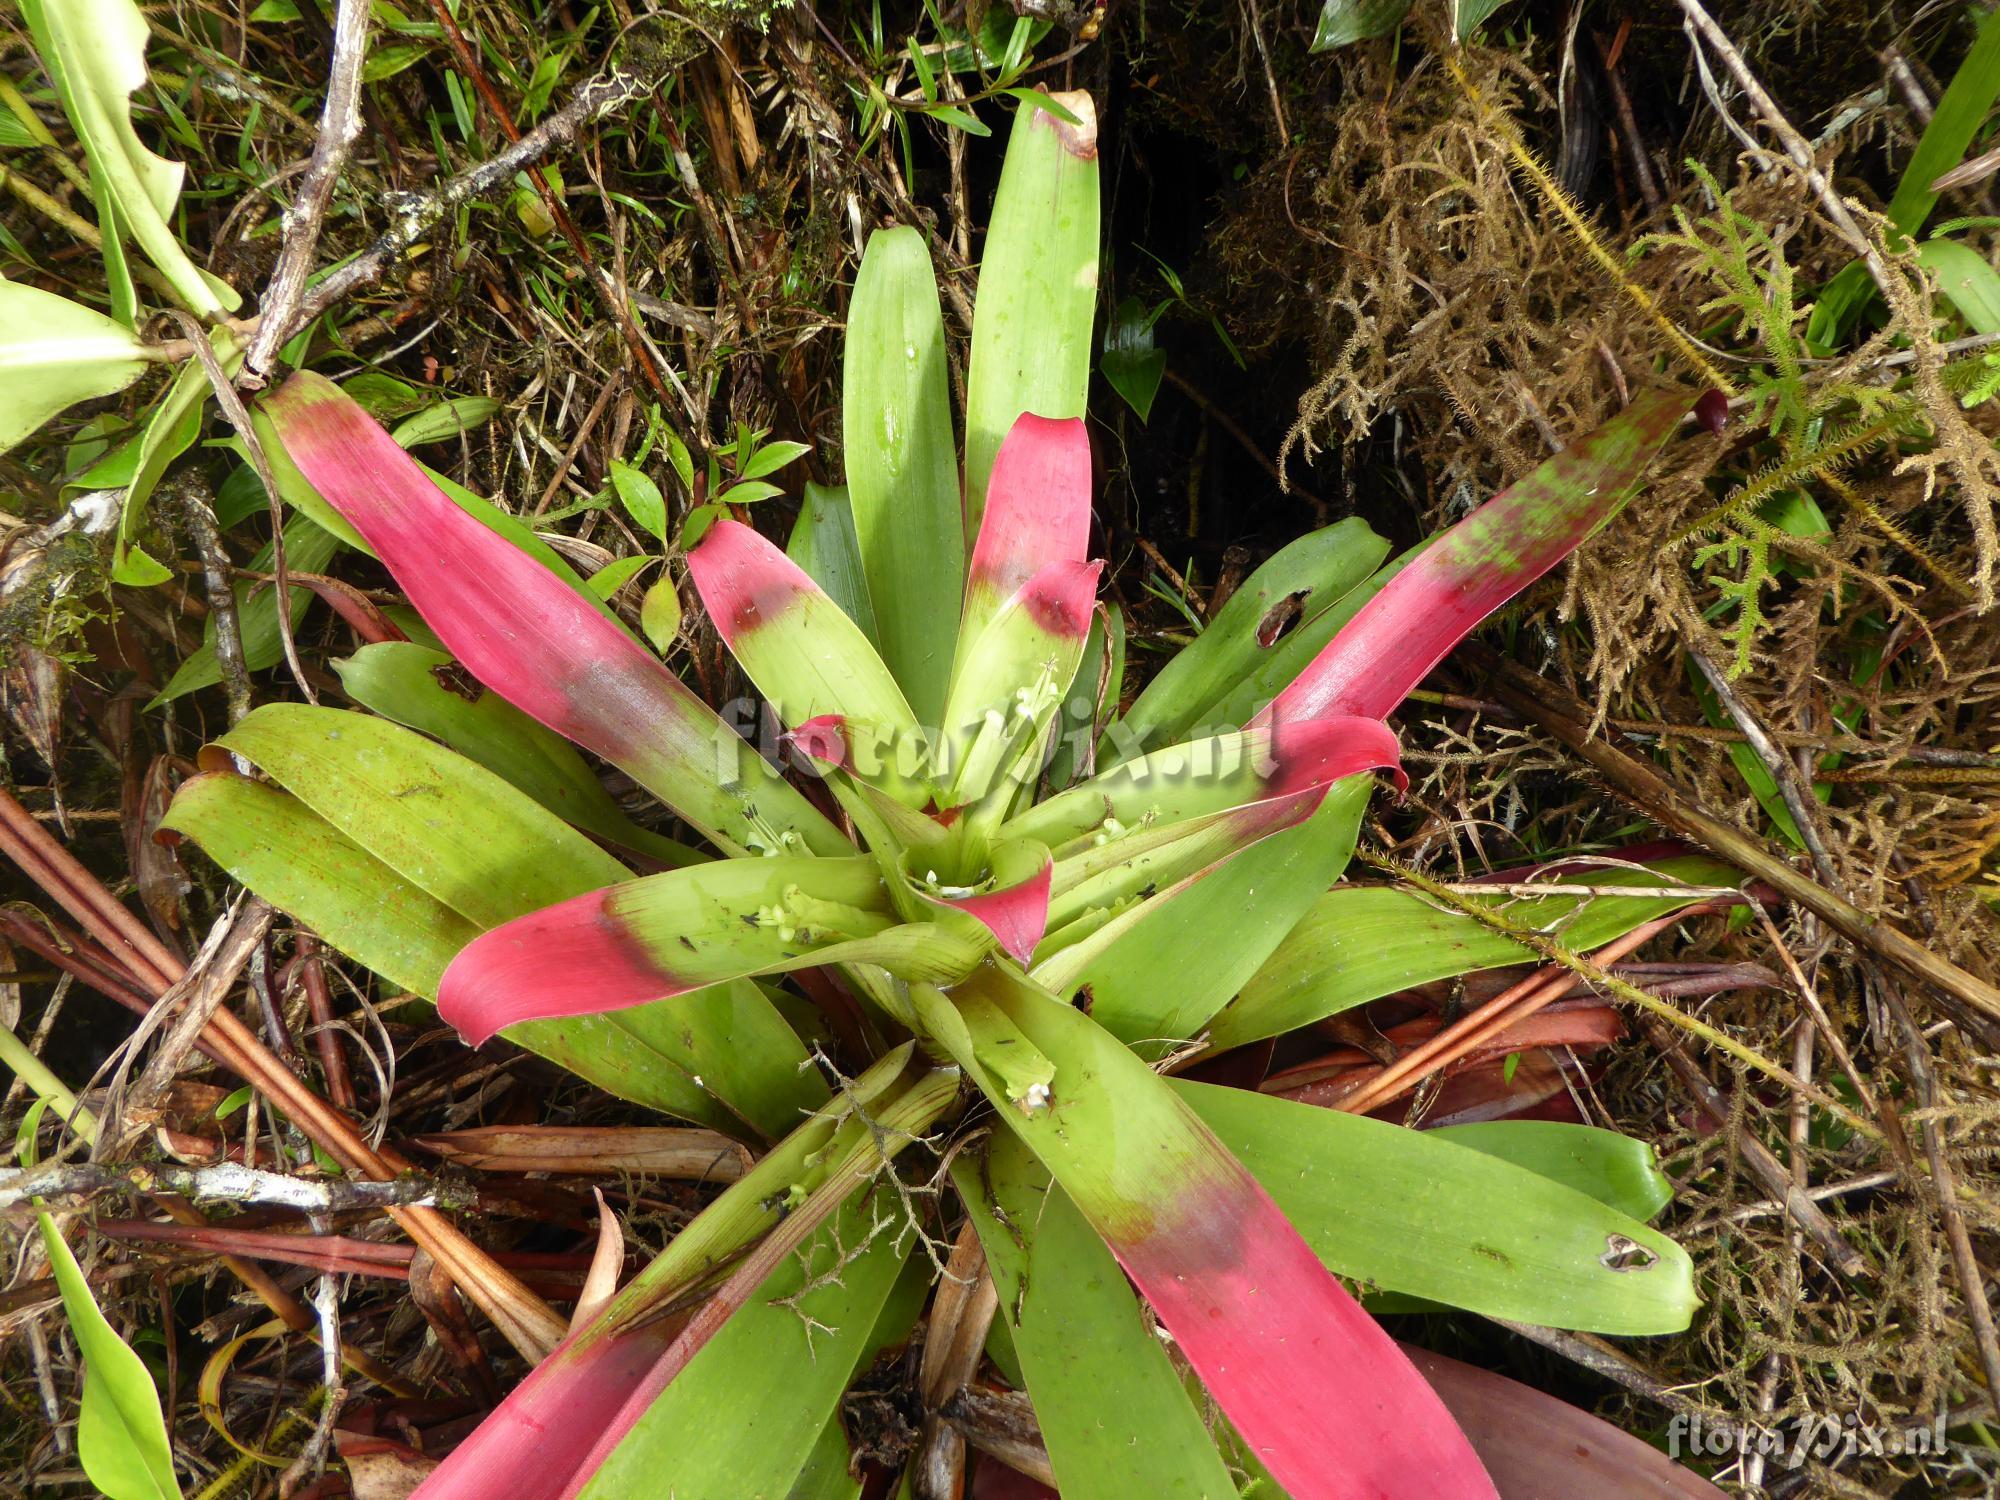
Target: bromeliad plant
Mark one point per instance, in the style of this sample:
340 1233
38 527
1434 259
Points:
1006 953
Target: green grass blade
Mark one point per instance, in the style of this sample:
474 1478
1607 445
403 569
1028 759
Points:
1954 124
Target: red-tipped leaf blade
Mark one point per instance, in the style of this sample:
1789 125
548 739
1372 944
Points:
532 639
808 657
1037 512
1478 565
670 933
1321 1394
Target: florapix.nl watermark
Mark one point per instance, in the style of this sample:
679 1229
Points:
1816 1437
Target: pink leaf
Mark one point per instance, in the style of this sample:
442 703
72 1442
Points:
1478 565
1037 511
1534 1444
1060 598
574 958
526 634
539 1443
744 581
1319 752
1313 1384
1017 915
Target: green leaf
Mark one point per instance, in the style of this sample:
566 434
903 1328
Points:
95 51
308 549
1130 361
1359 943
640 497
695 526
614 575
902 470
387 62
796 1343
1159 971
1037 289
1615 1169
171 429
1750 766
749 492
1468 15
300 863
466 838
660 614
824 543
959 119
436 818
1409 1211
1954 125
1967 281
772 457
1077 725
1302 582
681 1056
446 419
55 353
1078 1332
1342 22
422 688
121 1437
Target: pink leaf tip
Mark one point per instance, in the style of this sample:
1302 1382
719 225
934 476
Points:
1017 915
743 579
822 740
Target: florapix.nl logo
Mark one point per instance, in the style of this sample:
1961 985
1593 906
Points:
1818 1437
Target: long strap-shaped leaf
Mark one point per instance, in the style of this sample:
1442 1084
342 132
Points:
1037 286
1012 681
422 688
523 633
1157 971
1210 775
674 932
1359 943
1321 1394
1411 1211
1310 576
1080 1336
542 1442
1481 563
902 467
726 1043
